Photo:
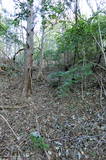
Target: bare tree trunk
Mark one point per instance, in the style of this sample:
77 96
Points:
101 42
27 87
76 22
40 75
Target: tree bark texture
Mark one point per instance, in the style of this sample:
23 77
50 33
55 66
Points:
27 87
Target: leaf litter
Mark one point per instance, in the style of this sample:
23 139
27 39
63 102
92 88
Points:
74 128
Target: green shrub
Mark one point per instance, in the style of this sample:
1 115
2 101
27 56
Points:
38 141
66 79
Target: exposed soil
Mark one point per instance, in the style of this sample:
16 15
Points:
74 127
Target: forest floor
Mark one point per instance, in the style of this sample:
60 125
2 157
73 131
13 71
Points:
74 127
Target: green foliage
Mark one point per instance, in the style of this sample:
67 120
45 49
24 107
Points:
56 75
81 36
73 76
51 54
24 12
30 1
75 34
3 29
67 79
38 142
101 19
16 21
13 37
53 16
51 12
58 8
36 55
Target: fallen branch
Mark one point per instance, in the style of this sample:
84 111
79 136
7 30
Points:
11 107
9 126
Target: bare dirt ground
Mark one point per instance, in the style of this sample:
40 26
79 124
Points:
74 128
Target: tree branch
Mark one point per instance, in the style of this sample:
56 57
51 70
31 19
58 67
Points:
17 53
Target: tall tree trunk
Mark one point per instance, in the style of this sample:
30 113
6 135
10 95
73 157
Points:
27 87
40 75
76 22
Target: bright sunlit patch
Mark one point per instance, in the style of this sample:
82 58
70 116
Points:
85 9
8 5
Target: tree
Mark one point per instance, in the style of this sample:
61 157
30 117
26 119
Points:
43 27
99 10
27 86
76 21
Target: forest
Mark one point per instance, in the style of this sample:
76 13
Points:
52 80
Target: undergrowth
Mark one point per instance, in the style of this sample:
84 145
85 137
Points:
65 80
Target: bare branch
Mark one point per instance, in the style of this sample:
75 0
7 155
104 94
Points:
17 53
